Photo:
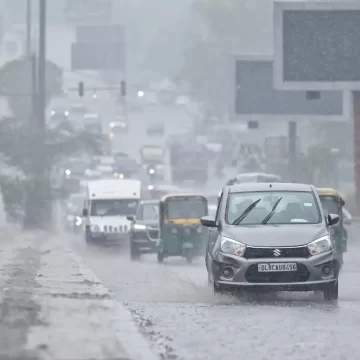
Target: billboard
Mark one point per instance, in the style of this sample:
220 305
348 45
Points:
256 99
317 46
98 56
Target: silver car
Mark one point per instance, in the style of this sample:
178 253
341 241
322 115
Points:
272 237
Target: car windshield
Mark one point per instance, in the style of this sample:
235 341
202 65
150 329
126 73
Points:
294 207
113 207
150 212
330 205
186 208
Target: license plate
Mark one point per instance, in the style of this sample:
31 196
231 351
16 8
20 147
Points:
276 267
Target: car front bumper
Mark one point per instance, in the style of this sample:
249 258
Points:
108 238
310 273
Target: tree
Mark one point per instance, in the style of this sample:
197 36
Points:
27 163
16 85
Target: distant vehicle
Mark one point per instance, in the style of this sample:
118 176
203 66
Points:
125 167
78 110
153 161
155 129
93 123
144 231
73 208
118 126
57 116
108 203
189 161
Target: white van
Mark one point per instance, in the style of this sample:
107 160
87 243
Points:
107 204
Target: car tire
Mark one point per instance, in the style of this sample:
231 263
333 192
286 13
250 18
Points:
160 257
331 291
217 289
134 252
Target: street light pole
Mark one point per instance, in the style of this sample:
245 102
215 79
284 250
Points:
42 65
28 28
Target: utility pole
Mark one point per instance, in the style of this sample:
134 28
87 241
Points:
42 66
28 27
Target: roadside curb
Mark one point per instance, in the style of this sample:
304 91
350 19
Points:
128 332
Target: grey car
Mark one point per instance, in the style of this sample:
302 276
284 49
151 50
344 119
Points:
272 237
144 230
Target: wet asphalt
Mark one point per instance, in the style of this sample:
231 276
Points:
181 316
177 311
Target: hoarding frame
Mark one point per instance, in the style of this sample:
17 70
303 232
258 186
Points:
279 81
347 99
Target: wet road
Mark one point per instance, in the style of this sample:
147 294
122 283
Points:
178 311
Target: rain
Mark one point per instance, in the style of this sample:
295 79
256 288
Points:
180 180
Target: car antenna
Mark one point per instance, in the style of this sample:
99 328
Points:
270 186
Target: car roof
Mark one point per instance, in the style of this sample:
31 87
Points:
150 202
247 187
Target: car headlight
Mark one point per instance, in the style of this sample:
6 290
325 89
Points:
95 228
139 227
152 171
320 246
230 246
78 220
112 125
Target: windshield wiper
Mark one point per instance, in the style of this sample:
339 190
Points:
271 213
238 220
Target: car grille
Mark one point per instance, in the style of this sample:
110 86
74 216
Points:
253 276
116 229
276 253
153 233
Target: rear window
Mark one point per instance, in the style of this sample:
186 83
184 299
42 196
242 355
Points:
186 209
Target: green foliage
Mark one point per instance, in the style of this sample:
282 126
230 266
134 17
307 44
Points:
16 85
29 156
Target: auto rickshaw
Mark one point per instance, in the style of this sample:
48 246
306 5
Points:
181 233
333 203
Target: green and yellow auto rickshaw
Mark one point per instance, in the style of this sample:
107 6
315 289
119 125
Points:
333 203
181 233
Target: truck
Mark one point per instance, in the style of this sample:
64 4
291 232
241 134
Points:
188 161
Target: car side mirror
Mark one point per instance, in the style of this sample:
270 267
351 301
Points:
85 212
332 219
208 221
130 217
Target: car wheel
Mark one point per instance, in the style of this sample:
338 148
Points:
331 291
134 252
217 288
